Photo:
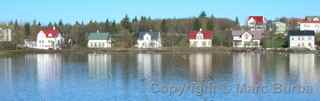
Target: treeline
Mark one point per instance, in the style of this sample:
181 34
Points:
173 30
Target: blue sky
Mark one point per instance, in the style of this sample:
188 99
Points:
84 10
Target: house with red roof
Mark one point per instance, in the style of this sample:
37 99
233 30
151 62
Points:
200 38
311 23
49 38
257 23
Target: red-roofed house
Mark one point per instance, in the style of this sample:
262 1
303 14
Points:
49 38
310 24
257 23
200 38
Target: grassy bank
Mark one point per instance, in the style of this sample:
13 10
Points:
161 50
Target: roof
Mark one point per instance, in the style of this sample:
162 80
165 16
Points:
51 32
98 36
301 33
257 35
206 34
258 19
154 35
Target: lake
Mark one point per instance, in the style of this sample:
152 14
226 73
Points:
160 77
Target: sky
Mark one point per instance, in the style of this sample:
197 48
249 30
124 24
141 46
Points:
84 10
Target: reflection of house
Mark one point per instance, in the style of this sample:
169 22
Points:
149 65
149 40
303 67
6 79
200 65
49 66
5 34
257 23
302 39
99 66
49 74
99 40
200 38
49 38
246 39
310 23
246 68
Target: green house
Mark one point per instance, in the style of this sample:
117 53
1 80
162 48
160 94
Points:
99 40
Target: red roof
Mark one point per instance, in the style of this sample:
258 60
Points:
206 34
258 19
51 32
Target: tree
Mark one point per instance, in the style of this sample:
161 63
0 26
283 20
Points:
125 23
164 26
196 24
210 24
237 21
27 31
114 27
203 14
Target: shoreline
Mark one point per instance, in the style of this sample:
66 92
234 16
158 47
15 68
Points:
160 50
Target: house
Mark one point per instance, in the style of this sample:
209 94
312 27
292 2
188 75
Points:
247 39
49 38
5 35
149 40
257 23
200 38
310 23
279 27
99 40
302 39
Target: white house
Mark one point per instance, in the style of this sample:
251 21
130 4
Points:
149 40
280 27
310 23
200 38
302 39
247 39
5 34
49 38
257 23
99 40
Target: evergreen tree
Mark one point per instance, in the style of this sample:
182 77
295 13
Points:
237 21
203 14
196 24
114 27
210 25
27 31
164 26
125 23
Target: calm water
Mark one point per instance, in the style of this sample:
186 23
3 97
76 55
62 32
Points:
160 77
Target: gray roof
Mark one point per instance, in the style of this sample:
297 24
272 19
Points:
154 35
257 35
301 33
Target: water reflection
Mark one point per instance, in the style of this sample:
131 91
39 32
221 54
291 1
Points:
247 68
149 66
6 78
49 74
100 66
200 65
303 67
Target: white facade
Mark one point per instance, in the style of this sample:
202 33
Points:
280 27
245 40
302 41
200 41
313 26
44 42
147 42
5 34
99 44
255 25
